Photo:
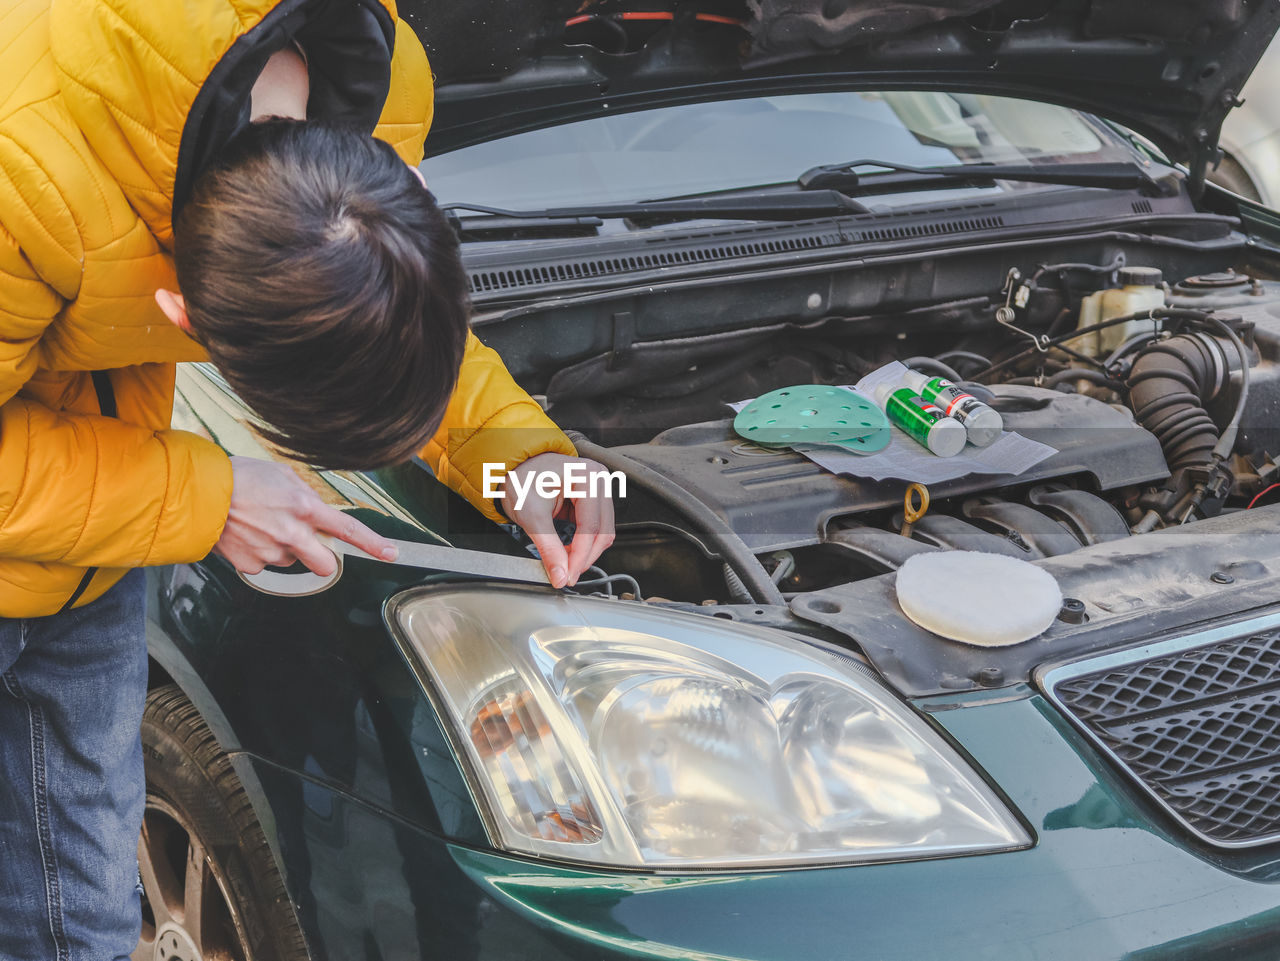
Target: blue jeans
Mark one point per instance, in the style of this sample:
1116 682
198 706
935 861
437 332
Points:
72 687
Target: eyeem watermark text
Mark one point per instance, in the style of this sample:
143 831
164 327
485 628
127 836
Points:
575 482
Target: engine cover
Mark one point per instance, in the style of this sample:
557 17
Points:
779 499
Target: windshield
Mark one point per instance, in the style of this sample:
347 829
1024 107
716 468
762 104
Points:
699 148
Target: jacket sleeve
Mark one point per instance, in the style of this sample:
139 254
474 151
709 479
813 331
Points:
410 105
88 490
490 420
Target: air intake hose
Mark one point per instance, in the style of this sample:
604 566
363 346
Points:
1169 385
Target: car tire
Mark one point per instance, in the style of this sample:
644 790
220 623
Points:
1232 175
211 888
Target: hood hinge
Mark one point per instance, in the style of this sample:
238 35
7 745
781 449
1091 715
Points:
1205 152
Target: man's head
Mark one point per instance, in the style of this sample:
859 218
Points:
326 285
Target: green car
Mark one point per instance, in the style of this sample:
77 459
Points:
730 740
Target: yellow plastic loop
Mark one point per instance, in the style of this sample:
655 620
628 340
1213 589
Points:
914 506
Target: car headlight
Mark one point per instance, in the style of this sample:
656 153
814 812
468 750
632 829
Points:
622 735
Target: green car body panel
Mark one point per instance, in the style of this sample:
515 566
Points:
371 817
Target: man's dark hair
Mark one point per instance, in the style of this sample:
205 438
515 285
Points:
327 287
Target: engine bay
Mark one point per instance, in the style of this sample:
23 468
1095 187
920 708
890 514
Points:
1159 421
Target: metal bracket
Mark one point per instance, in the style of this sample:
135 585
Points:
1017 295
624 335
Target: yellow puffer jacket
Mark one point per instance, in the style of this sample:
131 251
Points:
107 107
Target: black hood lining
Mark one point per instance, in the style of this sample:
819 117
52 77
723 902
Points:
1171 71
349 48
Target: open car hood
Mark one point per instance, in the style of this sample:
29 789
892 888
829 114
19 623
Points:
1170 70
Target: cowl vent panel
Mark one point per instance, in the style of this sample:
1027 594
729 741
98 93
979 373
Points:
717 247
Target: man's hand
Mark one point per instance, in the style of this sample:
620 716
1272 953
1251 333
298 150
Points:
275 517
592 516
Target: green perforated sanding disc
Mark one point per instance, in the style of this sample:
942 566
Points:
861 445
813 414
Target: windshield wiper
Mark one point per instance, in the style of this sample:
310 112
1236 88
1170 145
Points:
789 206
846 178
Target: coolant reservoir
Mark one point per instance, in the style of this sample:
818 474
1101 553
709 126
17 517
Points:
1140 289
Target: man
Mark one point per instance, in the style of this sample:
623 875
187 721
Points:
115 118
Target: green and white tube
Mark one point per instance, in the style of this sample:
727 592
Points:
982 422
920 419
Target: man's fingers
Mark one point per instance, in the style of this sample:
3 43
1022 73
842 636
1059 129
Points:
245 563
257 557
583 553
317 557
587 519
554 557
594 520
592 516
346 528
602 543
587 522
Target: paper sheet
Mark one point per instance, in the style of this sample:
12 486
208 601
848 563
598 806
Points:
904 459
907 460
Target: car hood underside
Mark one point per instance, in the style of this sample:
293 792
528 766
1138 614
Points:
1170 71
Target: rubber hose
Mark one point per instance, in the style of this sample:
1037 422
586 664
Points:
1059 322
1128 347
980 391
733 550
1082 373
932 365
1169 384
1155 313
954 355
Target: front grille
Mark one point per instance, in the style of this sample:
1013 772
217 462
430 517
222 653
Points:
1199 728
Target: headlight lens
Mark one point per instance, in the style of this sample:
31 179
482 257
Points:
621 735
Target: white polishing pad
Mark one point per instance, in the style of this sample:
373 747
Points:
985 599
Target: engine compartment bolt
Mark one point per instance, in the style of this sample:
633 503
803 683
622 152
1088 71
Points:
1221 577
990 676
1072 611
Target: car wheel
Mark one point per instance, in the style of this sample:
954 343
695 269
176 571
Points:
1232 175
211 889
